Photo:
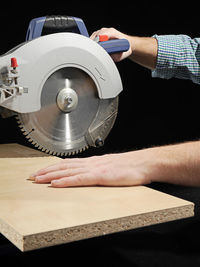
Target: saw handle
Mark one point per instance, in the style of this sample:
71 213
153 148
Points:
115 46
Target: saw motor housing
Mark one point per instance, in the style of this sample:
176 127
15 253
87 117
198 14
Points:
54 44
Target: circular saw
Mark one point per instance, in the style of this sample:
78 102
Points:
62 86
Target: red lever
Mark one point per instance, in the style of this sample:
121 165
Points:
103 38
14 62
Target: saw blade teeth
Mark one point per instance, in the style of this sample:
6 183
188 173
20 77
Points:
27 135
36 145
17 119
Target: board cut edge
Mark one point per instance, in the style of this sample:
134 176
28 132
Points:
12 235
67 235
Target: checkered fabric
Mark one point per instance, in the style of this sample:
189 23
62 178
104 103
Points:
178 56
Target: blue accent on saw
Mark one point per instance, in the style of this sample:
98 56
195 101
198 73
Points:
115 46
81 26
35 28
38 27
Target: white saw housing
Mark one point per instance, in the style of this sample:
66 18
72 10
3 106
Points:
40 57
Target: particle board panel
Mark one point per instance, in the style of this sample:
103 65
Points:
34 216
13 150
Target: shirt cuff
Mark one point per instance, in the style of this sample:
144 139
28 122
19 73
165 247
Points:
166 57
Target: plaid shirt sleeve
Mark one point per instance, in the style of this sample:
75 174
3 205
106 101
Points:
179 57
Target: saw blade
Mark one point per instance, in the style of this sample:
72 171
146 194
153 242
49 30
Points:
69 105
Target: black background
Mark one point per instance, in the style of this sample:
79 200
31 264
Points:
152 112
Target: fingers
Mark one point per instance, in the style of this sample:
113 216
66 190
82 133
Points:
94 34
112 33
58 166
68 172
97 33
76 180
68 178
58 174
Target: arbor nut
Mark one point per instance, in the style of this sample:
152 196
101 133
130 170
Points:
67 100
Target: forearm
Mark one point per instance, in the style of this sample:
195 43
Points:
168 55
177 164
178 57
144 51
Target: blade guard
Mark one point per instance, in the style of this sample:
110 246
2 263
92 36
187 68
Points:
57 51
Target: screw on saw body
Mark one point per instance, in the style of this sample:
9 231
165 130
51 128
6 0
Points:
99 142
